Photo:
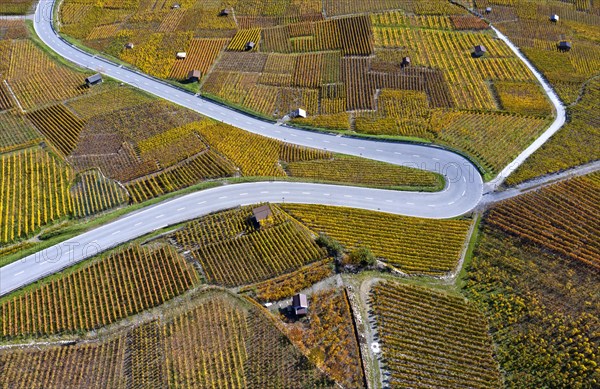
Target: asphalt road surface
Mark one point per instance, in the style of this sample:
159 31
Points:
462 193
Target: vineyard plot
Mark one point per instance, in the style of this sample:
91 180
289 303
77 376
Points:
93 193
278 288
83 366
415 246
431 339
329 332
59 125
212 339
34 191
16 133
222 343
36 79
535 301
362 171
256 155
563 218
233 251
99 293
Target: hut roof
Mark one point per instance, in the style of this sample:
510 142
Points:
262 213
300 301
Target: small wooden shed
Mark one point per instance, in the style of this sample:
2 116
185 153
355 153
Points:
262 214
479 51
299 113
94 80
564 45
249 46
194 75
300 304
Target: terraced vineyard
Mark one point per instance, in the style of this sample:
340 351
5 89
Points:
343 66
543 309
212 340
99 293
544 217
80 364
435 7
527 24
432 339
329 335
93 193
35 79
493 139
577 143
279 288
15 7
34 192
415 246
233 251
201 167
221 343
107 101
59 125
16 133
367 172
202 53
254 154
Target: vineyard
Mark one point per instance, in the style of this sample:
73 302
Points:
59 125
543 310
527 24
93 193
329 335
212 340
233 251
16 133
35 79
366 172
254 154
107 101
222 343
137 140
243 37
201 54
87 365
345 72
286 286
415 246
104 291
493 139
15 7
576 143
451 52
34 191
433 7
524 99
432 339
544 217
201 167
156 55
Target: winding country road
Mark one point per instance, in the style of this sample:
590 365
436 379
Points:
463 190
